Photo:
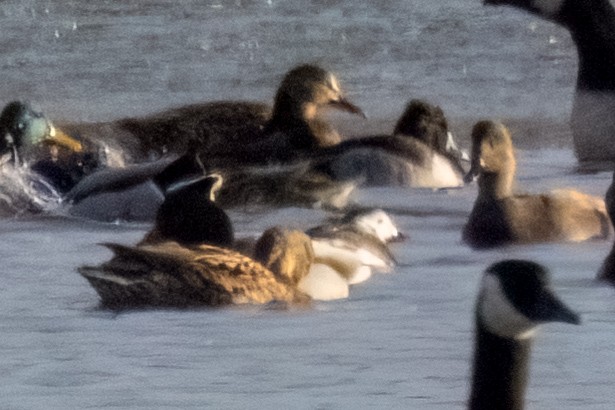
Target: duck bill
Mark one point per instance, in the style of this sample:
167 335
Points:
400 237
58 137
345 105
551 309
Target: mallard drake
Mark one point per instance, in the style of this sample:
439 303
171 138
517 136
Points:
592 27
28 185
515 297
500 217
131 193
420 153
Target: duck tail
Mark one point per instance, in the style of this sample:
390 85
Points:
114 290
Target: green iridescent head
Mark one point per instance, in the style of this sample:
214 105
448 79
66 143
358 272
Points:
21 127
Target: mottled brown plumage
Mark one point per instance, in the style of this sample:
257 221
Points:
500 217
170 275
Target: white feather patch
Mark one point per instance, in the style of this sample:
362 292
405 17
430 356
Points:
324 283
499 315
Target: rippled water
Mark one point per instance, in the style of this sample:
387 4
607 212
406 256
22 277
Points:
401 340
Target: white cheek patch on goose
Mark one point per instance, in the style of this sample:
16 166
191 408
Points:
498 315
548 7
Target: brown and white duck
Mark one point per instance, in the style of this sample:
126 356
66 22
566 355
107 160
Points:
500 216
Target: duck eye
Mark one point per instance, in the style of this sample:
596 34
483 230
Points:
21 126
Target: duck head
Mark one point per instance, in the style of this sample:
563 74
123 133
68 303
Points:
189 215
22 127
426 123
307 88
493 158
374 222
515 297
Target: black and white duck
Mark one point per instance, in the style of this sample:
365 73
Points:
421 153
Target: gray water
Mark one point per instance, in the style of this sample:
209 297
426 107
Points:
401 340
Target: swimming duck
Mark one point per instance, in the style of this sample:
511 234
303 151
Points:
168 274
500 217
346 251
27 186
356 244
292 184
134 192
131 193
515 297
239 132
190 217
420 153
187 260
592 27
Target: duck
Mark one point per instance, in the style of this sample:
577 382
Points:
187 259
231 132
132 193
514 299
357 243
346 251
291 184
500 217
172 275
191 216
592 27
28 186
421 153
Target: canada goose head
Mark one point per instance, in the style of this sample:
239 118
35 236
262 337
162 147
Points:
189 215
375 222
549 9
307 88
22 127
493 158
515 298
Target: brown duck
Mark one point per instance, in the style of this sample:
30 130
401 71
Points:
501 217
186 262
239 131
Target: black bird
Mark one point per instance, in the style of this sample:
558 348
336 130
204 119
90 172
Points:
514 298
591 24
